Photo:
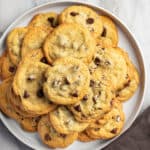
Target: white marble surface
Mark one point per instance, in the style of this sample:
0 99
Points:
134 13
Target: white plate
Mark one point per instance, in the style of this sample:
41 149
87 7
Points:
126 41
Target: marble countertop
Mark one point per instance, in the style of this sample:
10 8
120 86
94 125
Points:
134 13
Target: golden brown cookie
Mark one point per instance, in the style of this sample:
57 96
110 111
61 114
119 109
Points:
110 64
34 39
17 105
69 40
51 137
28 124
49 19
131 84
95 102
28 84
67 81
14 44
110 125
109 35
84 16
64 122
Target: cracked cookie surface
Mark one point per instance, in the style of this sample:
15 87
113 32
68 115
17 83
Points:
66 81
69 40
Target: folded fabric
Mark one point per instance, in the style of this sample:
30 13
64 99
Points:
137 137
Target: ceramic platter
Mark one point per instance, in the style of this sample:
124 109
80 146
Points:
126 41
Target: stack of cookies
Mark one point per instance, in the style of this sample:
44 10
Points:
65 77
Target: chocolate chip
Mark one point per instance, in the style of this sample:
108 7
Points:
114 131
85 98
90 21
92 83
12 69
40 93
51 21
50 102
66 81
127 84
31 77
44 79
104 32
26 94
74 94
96 129
37 119
77 108
96 97
63 135
97 61
103 49
74 14
44 60
117 94
47 137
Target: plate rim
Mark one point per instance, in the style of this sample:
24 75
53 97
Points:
121 22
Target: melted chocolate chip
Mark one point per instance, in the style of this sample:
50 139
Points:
40 93
66 81
127 84
63 135
77 108
12 69
114 131
85 98
74 14
44 60
94 99
75 94
51 19
44 79
90 21
104 32
26 94
92 83
47 137
97 61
